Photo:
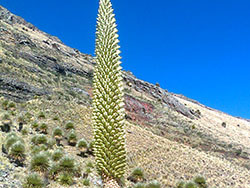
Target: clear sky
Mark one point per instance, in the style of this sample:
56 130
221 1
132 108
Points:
198 48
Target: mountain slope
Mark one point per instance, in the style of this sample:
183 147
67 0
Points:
170 136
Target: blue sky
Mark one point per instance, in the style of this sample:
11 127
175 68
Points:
200 49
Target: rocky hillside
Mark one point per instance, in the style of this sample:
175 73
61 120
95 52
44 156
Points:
171 137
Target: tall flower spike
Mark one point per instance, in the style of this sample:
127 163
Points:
108 106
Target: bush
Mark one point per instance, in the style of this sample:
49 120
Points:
12 105
36 149
5 104
51 143
90 164
57 155
11 134
25 131
67 164
72 138
153 184
190 185
33 181
66 179
53 171
12 140
34 125
180 184
40 162
139 185
86 182
41 115
41 139
44 128
200 181
58 133
137 175
56 118
17 151
69 126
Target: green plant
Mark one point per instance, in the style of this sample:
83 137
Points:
66 179
57 155
40 162
17 150
82 145
33 181
56 118
86 182
200 181
190 185
90 164
34 125
41 139
72 138
53 171
5 104
57 133
25 131
180 184
11 140
67 164
139 185
41 115
108 106
51 143
138 174
153 184
69 125
44 128
12 105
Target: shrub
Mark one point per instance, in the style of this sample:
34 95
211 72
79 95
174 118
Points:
53 171
180 184
51 143
82 145
86 182
56 118
69 126
190 185
25 131
12 140
72 138
57 155
17 150
33 181
66 179
41 115
57 133
200 181
153 184
12 105
44 128
11 134
90 164
36 149
40 162
41 139
34 125
137 175
67 164
139 185
5 104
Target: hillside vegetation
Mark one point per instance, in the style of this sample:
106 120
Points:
169 136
